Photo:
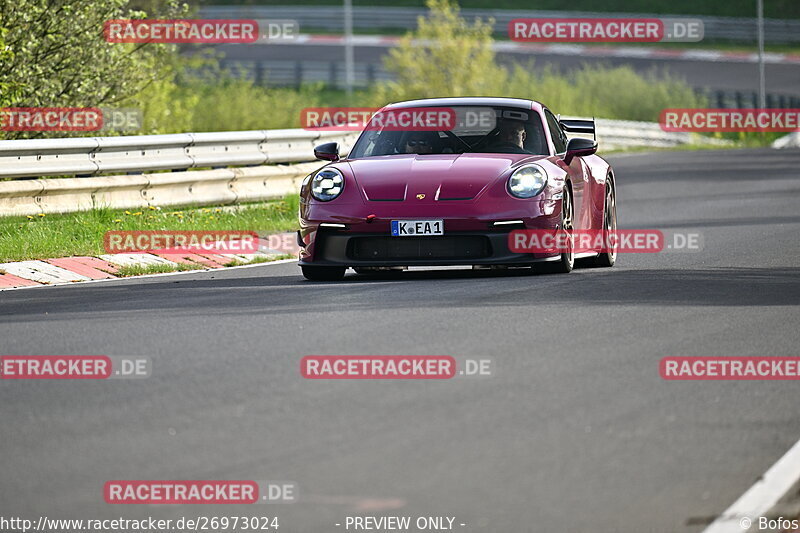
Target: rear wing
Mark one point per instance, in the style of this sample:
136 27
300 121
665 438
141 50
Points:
578 126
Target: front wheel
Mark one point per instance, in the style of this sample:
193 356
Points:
566 260
321 273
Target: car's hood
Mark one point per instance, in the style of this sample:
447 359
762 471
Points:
437 177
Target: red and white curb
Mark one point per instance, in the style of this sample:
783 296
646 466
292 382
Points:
65 270
638 52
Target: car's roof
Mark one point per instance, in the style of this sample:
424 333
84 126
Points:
468 101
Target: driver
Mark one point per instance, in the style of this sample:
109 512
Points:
510 138
419 142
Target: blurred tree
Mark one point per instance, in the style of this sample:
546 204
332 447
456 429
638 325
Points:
55 54
444 56
8 89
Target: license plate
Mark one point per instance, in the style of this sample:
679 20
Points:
414 228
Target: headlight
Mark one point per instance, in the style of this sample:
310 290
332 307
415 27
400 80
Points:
327 184
527 182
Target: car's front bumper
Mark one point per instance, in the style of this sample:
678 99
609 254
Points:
334 247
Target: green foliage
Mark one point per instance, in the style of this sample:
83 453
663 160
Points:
238 104
450 58
166 106
9 89
56 54
456 59
606 92
198 96
146 270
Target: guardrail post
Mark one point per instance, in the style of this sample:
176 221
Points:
333 76
370 73
260 78
298 73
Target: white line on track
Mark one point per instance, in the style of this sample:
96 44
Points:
761 497
80 283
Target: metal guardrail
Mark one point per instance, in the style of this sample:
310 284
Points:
144 153
251 154
197 187
791 140
331 18
288 73
616 134
147 153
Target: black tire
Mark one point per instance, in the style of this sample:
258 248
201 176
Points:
321 273
607 259
566 261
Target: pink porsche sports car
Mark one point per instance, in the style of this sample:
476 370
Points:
445 181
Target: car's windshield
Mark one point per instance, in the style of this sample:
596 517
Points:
453 130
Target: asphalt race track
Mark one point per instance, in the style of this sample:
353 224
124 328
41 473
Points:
576 432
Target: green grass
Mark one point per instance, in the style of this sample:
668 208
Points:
260 259
780 9
144 270
70 234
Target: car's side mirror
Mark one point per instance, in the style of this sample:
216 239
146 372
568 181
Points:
579 147
327 152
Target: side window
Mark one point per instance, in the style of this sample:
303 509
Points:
559 139
536 140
